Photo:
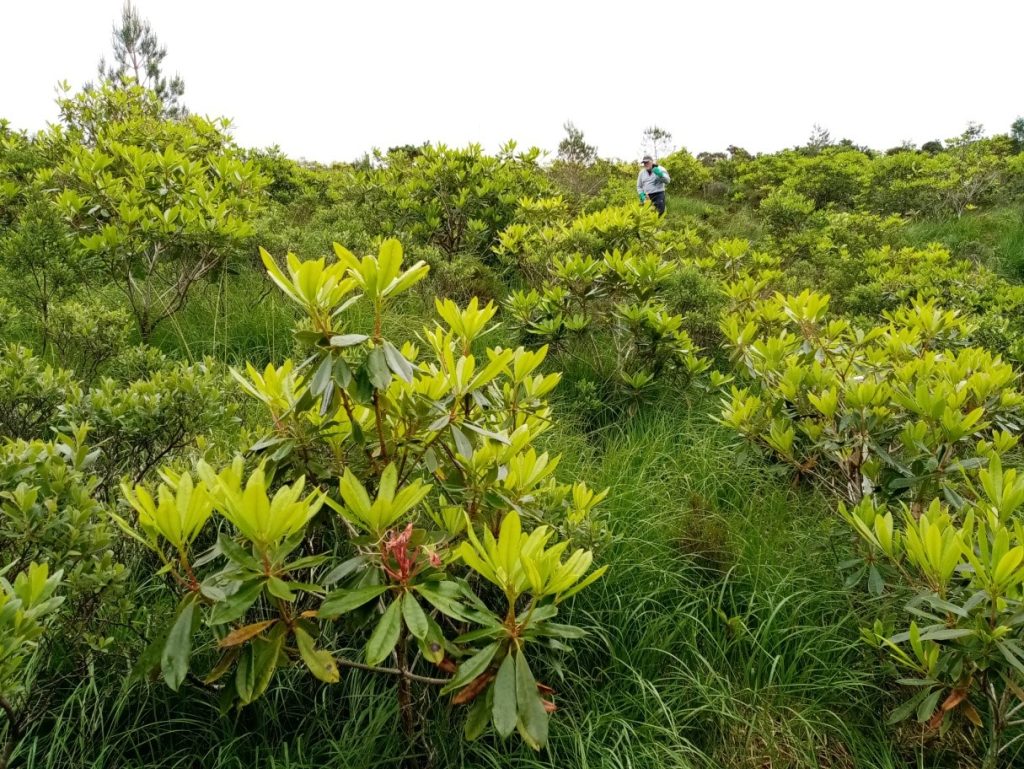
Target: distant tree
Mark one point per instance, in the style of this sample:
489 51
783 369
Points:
367 162
656 142
412 150
933 147
819 139
574 149
973 170
711 158
905 146
972 133
576 172
1017 134
850 144
139 55
738 153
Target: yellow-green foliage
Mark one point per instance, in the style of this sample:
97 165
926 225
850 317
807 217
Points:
969 171
894 408
993 305
910 427
959 644
457 199
26 609
158 203
606 272
529 245
427 469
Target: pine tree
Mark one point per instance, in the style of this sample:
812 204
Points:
574 149
819 139
139 55
657 142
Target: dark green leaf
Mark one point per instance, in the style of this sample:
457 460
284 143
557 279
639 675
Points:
385 635
533 719
342 373
245 675
462 444
306 562
430 460
149 661
855 577
903 711
237 554
945 606
262 662
559 631
493 631
397 362
322 376
362 393
916 681
343 569
348 340
210 589
178 648
471 668
377 369
539 613
1011 652
432 644
504 715
875 582
487 433
327 399
939 633
414 617
439 423
236 604
308 337
341 601
443 603
279 589
928 705
265 443
946 634
479 715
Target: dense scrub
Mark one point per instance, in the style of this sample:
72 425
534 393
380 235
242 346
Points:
454 459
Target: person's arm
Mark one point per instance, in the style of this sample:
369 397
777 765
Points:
661 172
640 186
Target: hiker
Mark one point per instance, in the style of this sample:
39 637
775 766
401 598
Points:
650 184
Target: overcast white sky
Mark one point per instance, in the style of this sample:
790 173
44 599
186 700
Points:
330 80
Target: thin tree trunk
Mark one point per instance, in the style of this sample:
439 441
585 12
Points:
405 707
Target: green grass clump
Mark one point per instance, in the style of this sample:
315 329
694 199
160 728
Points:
992 237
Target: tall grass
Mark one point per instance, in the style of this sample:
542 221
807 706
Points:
721 637
993 237
244 317
236 318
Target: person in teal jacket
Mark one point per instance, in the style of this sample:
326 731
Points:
650 184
